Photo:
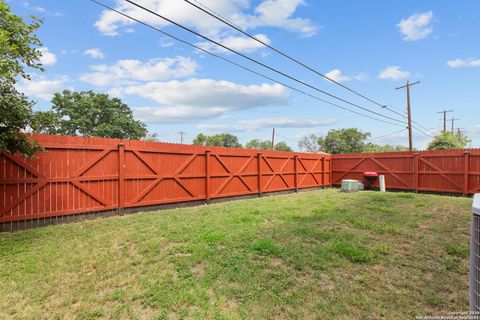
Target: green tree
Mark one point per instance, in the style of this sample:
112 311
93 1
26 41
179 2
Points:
46 122
218 140
151 137
259 144
267 145
309 143
349 140
200 140
89 114
282 146
448 140
372 147
18 51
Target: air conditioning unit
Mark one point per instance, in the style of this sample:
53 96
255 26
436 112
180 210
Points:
475 257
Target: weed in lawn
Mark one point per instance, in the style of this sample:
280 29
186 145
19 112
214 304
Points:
353 252
406 196
457 250
382 249
266 247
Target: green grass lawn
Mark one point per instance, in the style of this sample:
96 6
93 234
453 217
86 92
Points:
311 255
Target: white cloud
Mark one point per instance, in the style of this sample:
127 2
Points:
218 127
277 13
286 123
210 93
202 98
458 63
473 131
94 53
236 43
337 75
48 58
393 73
267 14
417 26
41 87
27 5
132 71
42 10
362 76
116 92
175 114
166 44
255 124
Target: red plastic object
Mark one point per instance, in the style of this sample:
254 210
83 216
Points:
370 174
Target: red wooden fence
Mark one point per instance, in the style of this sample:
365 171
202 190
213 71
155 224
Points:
79 175
451 171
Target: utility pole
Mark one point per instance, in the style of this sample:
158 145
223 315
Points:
181 136
273 139
460 130
445 118
407 86
453 123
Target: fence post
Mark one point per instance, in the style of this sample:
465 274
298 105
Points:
259 168
330 173
415 170
323 172
295 168
121 177
207 175
466 157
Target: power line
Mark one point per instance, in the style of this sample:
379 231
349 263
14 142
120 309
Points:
243 67
421 131
225 20
394 110
207 8
258 62
418 124
388 134
215 15
293 140
228 22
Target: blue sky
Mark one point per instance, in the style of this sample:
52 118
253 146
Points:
370 46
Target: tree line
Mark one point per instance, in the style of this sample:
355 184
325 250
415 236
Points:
353 140
96 114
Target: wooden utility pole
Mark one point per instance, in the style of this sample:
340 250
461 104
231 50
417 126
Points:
409 113
445 118
181 136
273 139
453 123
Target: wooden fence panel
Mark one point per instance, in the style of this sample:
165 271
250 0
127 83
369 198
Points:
79 175
452 171
278 172
73 176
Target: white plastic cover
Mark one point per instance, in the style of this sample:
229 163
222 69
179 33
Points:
476 204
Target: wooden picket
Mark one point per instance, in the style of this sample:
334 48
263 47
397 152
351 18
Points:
84 174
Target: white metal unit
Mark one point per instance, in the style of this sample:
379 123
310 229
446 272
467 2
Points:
475 256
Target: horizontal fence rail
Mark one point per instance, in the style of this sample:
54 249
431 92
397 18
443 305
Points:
448 171
78 175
